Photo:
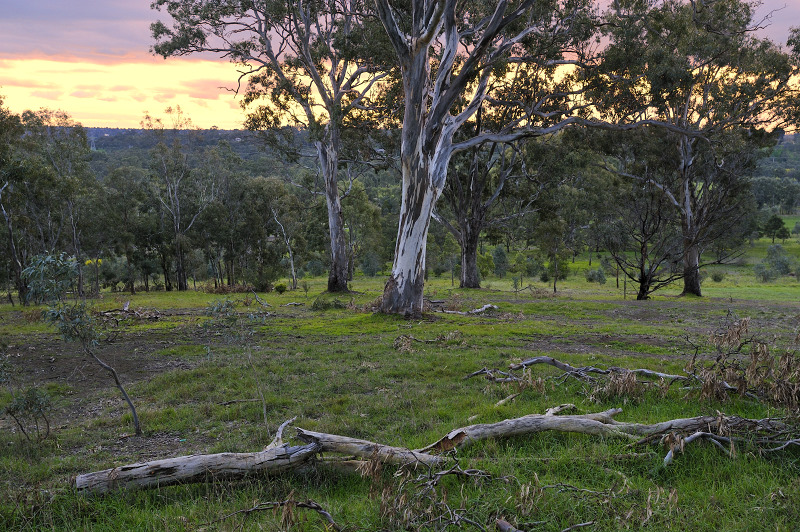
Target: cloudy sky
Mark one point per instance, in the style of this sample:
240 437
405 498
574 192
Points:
91 58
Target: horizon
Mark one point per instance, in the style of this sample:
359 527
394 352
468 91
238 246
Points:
91 59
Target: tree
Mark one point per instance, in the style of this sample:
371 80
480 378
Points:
697 68
10 168
452 60
183 191
300 57
63 148
773 225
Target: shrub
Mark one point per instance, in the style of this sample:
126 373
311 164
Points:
280 288
717 277
29 411
596 276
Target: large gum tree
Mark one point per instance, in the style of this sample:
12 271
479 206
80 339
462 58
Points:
300 55
456 57
698 68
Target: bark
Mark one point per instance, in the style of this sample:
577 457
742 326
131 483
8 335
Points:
691 270
196 468
470 277
328 153
368 450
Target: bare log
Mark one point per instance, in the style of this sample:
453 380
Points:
481 310
595 424
368 450
505 526
195 468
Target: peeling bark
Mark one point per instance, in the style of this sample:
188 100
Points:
195 468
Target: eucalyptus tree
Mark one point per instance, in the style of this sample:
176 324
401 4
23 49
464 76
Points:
10 169
63 148
183 189
455 58
300 57
485 189
696 67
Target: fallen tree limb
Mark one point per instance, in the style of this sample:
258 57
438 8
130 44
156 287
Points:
368 450
195 468
481 310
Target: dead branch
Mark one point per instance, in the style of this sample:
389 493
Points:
491 375
677 443
368 450
195 468
278 440
505 526
481 310
508 399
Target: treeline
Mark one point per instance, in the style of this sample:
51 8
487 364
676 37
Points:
174 209
776 184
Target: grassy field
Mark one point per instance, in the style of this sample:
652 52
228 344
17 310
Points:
208 384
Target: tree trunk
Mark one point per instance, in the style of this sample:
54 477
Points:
187 469
404 289
691 271
328 153
470 276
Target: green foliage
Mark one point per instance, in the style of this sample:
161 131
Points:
486 265
280 288
718 277
773 225
501 264
29 410
598 275
49 277
777 263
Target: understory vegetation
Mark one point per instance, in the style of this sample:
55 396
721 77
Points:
214 373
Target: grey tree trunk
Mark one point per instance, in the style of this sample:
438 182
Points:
470 276
328 153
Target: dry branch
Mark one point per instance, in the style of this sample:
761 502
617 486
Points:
480 310
368 450
195 468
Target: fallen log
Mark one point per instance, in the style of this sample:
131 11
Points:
368 450
196 468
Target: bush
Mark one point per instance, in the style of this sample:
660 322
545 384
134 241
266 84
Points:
545 276
596 276
717 277
29 411
280 288
500 261
485 265
315 267
764 273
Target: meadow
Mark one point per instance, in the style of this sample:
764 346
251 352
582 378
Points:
213 373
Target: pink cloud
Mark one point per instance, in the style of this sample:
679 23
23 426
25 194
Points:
47 95
84 94
206 89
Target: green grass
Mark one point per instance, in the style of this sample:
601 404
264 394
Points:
345 371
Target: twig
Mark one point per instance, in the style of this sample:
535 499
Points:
579 525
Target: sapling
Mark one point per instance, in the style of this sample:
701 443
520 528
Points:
49 278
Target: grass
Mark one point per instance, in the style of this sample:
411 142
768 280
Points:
344 371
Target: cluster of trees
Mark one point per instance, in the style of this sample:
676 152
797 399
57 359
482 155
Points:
526 125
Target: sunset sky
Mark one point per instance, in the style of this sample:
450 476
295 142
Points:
91 59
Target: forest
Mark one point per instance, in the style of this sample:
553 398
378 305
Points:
512 266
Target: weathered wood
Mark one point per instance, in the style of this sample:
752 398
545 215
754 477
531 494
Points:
368 450
595 424
195 468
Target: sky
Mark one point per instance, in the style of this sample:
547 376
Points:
91 58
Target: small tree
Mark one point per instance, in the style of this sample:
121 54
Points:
49 277
773 226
